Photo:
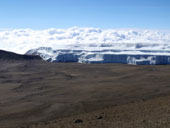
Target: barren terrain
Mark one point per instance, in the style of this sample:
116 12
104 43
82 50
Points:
35 93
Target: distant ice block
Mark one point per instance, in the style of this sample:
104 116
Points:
140 57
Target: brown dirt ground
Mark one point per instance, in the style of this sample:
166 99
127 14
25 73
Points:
37 92
153 113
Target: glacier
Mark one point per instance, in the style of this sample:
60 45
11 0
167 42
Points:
144 57
90 45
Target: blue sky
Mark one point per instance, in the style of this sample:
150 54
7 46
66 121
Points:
43 14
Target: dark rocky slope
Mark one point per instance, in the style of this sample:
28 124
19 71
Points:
5 55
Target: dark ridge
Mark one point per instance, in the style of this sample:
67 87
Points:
5 55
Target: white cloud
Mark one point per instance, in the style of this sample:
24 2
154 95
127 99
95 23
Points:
22 40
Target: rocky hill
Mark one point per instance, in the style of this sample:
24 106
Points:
5 55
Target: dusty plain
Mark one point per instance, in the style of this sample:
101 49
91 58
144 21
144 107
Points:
39 94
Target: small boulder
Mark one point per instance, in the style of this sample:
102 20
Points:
100 117
79 121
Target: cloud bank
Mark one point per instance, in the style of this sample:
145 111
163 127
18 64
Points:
22 40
